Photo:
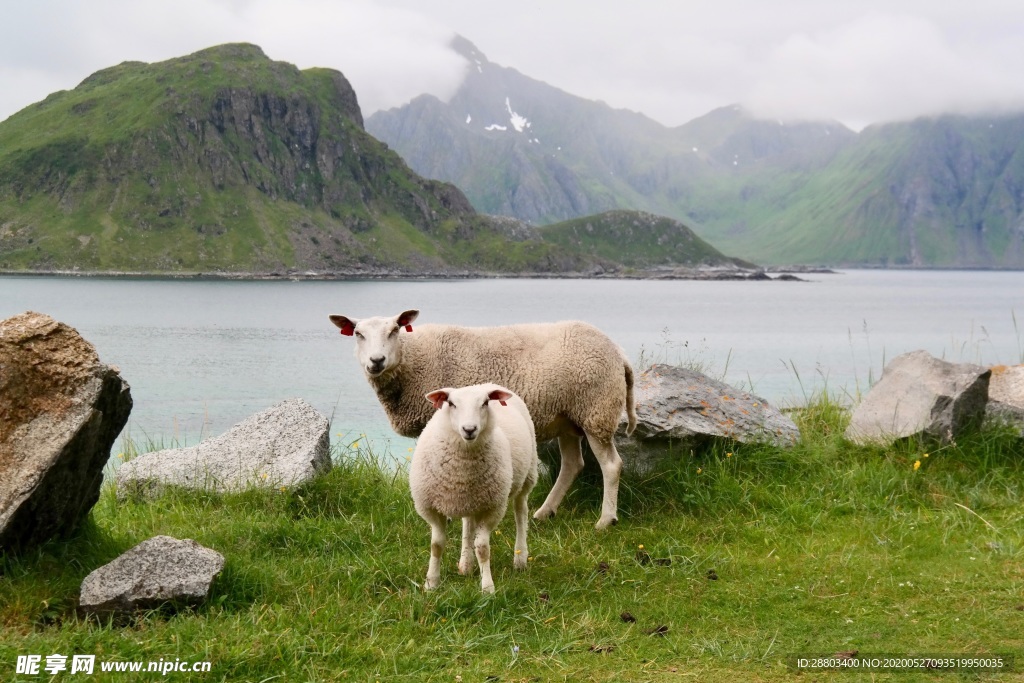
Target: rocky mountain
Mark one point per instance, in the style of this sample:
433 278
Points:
225 161
934 192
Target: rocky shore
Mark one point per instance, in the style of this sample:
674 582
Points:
674 273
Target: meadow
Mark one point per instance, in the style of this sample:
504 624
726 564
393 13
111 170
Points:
724 566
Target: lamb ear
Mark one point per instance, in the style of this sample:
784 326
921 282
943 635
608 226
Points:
438 398
499 395
346 325
405 319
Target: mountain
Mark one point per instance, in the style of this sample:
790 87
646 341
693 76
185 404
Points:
942 191
945 191
225 161
520 147
636 239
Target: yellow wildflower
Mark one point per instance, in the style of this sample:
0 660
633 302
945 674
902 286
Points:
925 455
728 455
641 546
917 464
518 551
355 445
699 470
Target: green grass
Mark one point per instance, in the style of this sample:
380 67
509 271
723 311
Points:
821 548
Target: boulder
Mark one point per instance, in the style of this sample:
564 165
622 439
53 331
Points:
921 396
284 445
61 410
159 570
684 405
1006 394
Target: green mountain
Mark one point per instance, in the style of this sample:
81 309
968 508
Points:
636 239
227 161
945 191
941 192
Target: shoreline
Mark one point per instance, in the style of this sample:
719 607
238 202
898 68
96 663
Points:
782 274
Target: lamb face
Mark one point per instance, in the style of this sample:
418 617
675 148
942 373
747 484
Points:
468 408
378 347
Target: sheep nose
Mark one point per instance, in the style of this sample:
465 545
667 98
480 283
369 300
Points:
469 432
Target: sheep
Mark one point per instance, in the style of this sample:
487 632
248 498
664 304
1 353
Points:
574 380
472 458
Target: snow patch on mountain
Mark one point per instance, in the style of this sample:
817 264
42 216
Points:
520 123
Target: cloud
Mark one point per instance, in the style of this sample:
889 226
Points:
858 61
883 67
389 54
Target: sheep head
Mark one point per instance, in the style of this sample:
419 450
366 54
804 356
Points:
468 408
378 347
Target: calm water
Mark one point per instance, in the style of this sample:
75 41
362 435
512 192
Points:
201 356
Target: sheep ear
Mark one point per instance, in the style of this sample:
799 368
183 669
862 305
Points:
499 395
438 398
405 319
346 325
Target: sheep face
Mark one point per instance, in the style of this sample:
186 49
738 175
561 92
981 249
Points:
468 408
378 346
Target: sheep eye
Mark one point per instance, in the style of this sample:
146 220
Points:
393 332
359 335
451 404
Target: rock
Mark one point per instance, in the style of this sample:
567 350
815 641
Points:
687 406
284 445
1006 394
60 412
919 395
159 570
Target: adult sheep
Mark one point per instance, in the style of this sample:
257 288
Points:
575 381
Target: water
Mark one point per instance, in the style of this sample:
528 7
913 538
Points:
202 355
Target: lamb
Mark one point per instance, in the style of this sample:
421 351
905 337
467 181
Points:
472 458
574 380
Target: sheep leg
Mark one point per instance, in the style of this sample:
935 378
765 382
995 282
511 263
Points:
611 467
438 536
522 514
570 446
466 558
483 549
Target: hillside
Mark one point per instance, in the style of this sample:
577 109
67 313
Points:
225 161
947 191
636 240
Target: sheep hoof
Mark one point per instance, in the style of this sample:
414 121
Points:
543 514
605 523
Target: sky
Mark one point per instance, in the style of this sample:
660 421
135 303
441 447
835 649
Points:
855 61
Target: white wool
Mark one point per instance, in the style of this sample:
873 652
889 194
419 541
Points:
477 453
574 379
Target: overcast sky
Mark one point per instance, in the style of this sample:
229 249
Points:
858 61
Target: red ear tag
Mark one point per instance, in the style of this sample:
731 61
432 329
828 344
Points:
408 328
502 403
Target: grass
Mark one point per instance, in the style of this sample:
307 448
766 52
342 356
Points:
730 561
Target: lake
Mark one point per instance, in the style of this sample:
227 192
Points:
202 355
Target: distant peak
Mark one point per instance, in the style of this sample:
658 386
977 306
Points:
231 51
466 49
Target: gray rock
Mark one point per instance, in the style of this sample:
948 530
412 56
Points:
1006 395
285 445
159 570
921 396
60 412
684 405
